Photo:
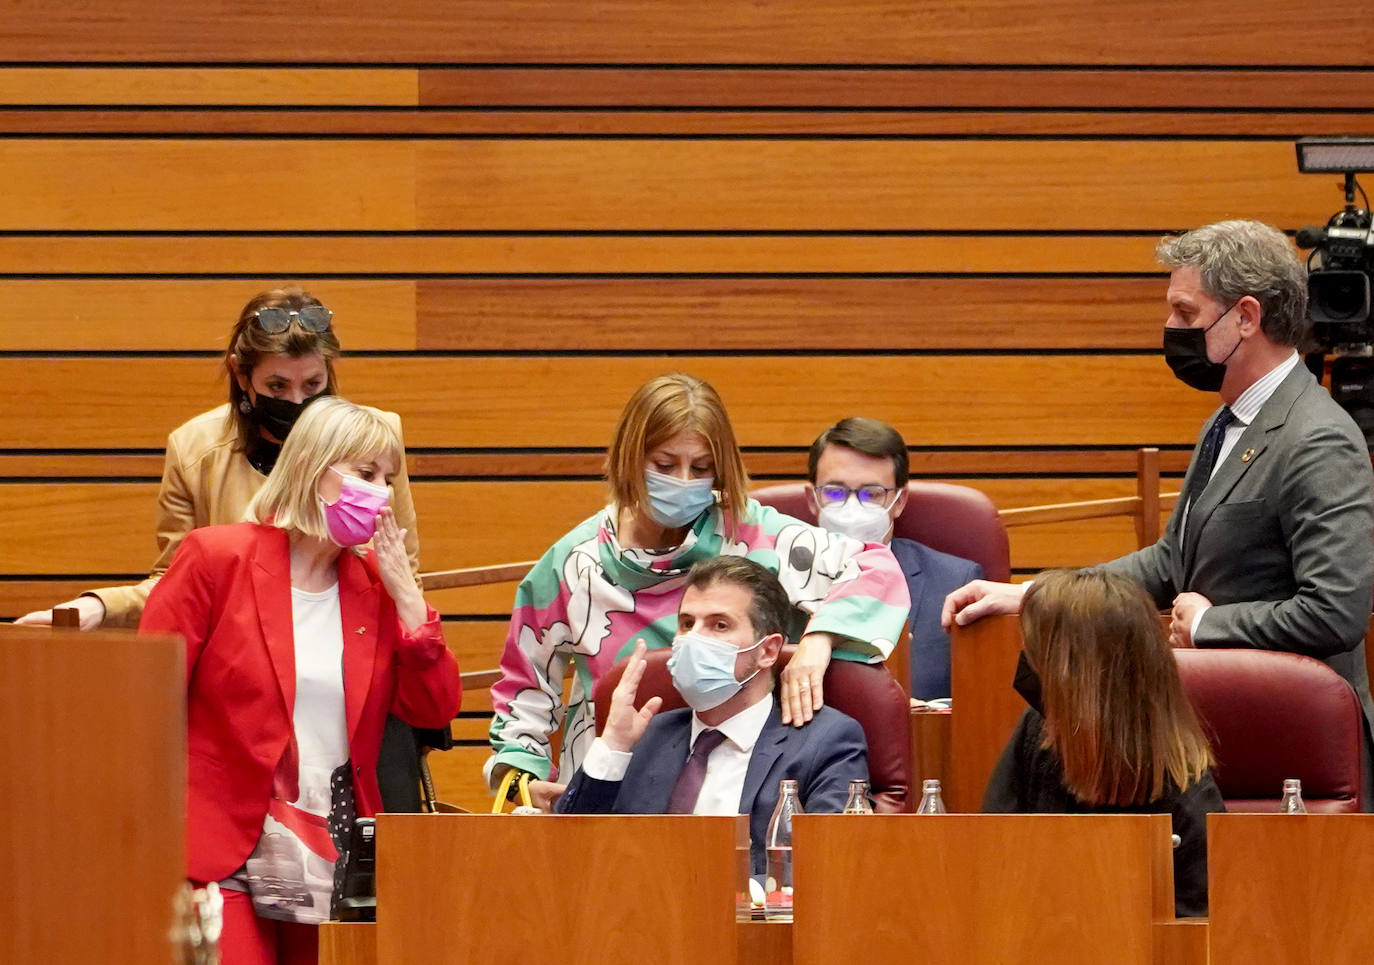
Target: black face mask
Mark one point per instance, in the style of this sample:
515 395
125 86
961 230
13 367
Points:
1185 349
1027 684
278 416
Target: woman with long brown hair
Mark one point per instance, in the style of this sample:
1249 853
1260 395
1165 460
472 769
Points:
1110 728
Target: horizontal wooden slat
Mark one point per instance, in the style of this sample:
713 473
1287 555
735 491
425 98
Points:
477 645
208 85
807 313
580 87
986 87
307 254
610 315
855 185
668 31
105 315
644 185
91 527
648 122
518 463
206 184
1057 400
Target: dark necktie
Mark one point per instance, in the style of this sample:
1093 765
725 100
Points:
688 786
1207 455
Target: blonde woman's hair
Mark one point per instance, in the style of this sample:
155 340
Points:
330 430
659 410
1116 713
249 345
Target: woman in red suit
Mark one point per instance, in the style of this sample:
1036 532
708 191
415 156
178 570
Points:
298 644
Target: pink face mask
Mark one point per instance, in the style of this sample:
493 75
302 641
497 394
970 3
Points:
352 518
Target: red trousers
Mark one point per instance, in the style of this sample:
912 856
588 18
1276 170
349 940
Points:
251 940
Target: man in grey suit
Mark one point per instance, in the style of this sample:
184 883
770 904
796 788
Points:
1271 544
728 750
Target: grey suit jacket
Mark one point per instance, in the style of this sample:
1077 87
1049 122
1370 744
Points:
1281 540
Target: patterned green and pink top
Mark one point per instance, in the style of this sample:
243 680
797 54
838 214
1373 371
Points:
588 601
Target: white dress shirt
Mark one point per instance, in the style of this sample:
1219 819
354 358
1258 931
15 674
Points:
725 768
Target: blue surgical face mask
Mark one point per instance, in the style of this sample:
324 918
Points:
703 670
675 502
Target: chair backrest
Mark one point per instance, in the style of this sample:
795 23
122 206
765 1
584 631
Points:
1272 716
949 518
865 692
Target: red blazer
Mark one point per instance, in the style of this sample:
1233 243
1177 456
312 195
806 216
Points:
228 592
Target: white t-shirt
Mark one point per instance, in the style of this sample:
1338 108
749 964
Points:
290 874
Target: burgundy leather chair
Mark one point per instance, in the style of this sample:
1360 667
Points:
949 518
863 691
1272 716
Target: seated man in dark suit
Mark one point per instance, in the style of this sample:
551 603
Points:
858 474
727 754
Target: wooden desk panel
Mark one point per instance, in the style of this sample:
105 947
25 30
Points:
460 889
1291 889
986 708
93 744
981 889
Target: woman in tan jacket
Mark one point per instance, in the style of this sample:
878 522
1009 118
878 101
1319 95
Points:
281 354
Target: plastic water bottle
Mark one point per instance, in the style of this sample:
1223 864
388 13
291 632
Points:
931 802
1292 797
858 799
777 898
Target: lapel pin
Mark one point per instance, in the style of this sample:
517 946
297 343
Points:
360 630
1247 455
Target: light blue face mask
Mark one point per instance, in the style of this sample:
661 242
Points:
703 670
675 502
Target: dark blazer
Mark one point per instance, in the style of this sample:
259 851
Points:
228 592
1282 539
930 577
822 757
1029 779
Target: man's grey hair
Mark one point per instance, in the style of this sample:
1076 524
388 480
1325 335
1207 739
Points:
1238 258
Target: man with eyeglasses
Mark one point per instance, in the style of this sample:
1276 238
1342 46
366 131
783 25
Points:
858 472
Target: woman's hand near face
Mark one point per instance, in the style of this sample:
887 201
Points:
393 565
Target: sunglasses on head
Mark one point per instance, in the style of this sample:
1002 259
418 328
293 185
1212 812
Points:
274 320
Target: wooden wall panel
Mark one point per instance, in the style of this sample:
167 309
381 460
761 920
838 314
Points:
913 87
787 314
193 314
611 315
88 185
220 86
1238 123
574 401
720 88
666 31
259 255
539 185
647 185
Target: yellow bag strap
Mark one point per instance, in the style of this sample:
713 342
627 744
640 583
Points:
503 789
